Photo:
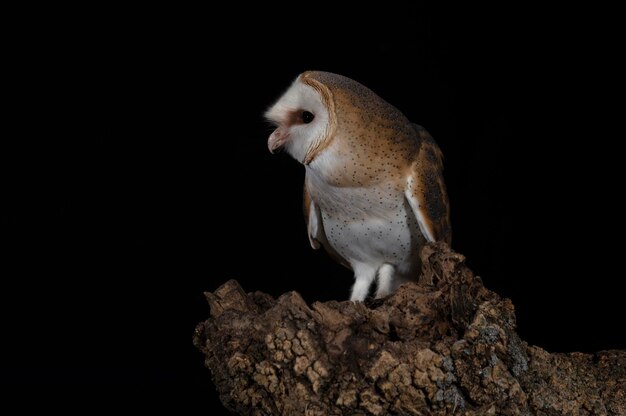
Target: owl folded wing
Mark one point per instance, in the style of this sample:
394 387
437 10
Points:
313 218
315 228
426 192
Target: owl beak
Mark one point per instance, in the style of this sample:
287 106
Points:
277 139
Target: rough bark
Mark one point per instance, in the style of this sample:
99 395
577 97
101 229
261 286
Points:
445 345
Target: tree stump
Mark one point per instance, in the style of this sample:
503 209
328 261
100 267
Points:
442 346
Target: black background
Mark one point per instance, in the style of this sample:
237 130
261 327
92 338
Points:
136 176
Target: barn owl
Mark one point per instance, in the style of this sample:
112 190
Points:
374 192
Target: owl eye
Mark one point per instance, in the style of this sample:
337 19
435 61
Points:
307 117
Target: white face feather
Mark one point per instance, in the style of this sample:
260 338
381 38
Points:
286 113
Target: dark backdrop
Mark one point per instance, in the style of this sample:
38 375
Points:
137 176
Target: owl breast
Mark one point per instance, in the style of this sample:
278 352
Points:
372 225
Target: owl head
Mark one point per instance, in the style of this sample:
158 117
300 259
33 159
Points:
303 117
320 107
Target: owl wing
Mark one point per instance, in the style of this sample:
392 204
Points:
315 228
426 192
313 218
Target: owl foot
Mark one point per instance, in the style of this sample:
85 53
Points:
364 276
385 281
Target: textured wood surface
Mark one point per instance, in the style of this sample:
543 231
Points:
445 345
